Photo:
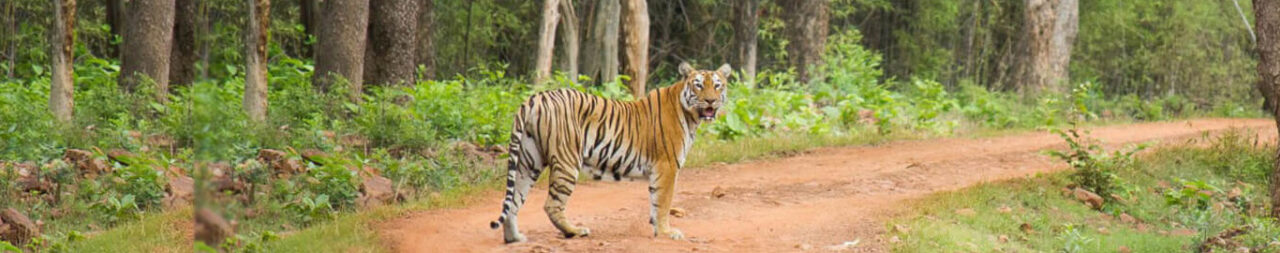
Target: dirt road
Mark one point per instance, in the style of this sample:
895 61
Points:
820 198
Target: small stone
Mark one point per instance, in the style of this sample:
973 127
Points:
677 212
179 191
804 246
1003 238
1124 249
376 190
18 229
1004 209
717 192
1088 197
1126 218
1026 228
894 239
1104 231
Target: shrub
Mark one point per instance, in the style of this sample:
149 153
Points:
1093 168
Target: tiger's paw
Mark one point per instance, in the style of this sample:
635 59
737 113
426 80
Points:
582 232
673 233
517 238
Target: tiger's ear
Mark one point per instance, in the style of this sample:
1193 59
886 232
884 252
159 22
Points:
725 71
685 69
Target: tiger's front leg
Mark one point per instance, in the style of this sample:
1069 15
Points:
662 185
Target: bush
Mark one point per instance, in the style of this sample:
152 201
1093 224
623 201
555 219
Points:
1093 168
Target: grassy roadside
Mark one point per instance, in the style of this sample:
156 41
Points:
169 231
1173 199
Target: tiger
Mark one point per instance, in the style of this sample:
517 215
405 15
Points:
568 132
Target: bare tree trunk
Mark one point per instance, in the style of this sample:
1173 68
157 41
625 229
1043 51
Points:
341 46
115 18
1065 27
745 27
636 17
148 37
62 86
546 42
807 22
183 56
600 59
255 45
569 40
426 50
309 14
1049 30
1267 22
392 29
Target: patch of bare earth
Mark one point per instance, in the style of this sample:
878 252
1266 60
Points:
823 200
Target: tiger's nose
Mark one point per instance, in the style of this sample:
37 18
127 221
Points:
710 100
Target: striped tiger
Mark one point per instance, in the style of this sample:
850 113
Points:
568 132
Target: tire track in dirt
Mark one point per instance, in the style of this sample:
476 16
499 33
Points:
819 198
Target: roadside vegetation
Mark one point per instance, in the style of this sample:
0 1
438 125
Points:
1205 195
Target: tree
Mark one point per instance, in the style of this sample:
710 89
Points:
745 25
62 86
1267 22
309 17
116 18
183 56
600 57
546 41
426 50
255 45
636 17
569 40
807 22
1050 29
148 36
392 31
341 45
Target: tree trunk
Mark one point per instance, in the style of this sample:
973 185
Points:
341 45
148 37
255 45
1049 30
807 22
62 86
308 16
1065 27
393 27
1267 22
600 59
745 27
546 42
426 50
636 17
115 19
183 56
569 40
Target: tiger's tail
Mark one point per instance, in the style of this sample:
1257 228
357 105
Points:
514 154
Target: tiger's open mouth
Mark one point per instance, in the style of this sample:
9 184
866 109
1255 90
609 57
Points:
707 113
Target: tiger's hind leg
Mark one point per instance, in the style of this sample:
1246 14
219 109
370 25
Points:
524 168
564 176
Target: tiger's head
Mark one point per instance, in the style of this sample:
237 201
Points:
704 90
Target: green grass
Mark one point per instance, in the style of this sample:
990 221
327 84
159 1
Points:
155 232
1060 223
355 232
